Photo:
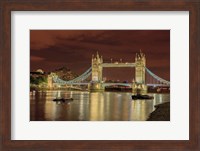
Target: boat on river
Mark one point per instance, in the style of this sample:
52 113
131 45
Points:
142 97
63 99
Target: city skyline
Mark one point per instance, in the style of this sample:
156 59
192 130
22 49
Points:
51 49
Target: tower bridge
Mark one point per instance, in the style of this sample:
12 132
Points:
143 76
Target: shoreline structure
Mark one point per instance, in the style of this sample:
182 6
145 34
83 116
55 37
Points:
161 113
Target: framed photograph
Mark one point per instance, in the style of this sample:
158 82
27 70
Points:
86 80
93 75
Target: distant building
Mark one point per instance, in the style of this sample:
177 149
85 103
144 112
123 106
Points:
40 71
37 73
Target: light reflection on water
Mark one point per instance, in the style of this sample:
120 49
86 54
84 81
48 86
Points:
97 106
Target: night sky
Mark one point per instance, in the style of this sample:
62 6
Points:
52 49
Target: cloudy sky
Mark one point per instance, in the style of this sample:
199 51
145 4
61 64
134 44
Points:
51 49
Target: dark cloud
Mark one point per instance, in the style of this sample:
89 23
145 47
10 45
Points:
51 49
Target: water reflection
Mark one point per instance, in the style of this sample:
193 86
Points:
104 106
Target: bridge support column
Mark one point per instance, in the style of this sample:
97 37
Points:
138 88
96 87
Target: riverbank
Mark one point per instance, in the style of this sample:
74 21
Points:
161 113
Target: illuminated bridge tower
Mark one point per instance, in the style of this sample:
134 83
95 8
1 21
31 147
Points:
139 86
50 81
96 84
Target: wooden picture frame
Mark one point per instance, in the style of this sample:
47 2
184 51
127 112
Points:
7 6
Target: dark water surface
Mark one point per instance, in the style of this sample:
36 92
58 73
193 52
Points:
104 106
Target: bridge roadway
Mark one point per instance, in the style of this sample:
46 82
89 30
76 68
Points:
118 64
122 84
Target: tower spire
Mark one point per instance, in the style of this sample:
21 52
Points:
97 54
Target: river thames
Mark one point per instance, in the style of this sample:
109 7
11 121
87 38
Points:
97 106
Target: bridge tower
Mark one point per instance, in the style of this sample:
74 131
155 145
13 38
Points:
50 81
96 83
97 68
139 86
